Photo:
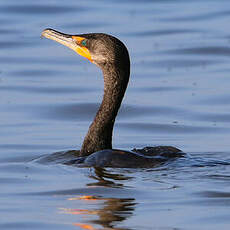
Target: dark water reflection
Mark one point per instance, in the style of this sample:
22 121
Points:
178 95
112 210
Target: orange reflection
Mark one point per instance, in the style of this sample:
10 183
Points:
85 226
112 211
100 212
84 198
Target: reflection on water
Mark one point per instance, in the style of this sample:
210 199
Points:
111 212
104 178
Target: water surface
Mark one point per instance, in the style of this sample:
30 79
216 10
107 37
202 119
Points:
178 95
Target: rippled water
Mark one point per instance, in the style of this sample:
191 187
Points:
178 95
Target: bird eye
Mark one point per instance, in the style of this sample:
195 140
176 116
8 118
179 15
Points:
83 42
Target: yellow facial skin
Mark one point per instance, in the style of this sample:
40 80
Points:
81 50
71 41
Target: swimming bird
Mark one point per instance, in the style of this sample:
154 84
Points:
112 57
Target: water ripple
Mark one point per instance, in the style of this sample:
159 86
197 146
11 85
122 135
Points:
215 194
14 44
212 50
162 32
182 63
199 17
169 128
40 9
45 89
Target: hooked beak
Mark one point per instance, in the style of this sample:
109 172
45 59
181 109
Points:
71 41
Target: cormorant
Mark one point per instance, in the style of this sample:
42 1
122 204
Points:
112 56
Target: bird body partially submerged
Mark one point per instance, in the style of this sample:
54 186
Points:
112 56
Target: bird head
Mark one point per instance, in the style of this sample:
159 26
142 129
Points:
98 48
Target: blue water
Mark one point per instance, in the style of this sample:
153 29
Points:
178 95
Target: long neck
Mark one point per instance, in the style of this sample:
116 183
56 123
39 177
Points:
99 135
